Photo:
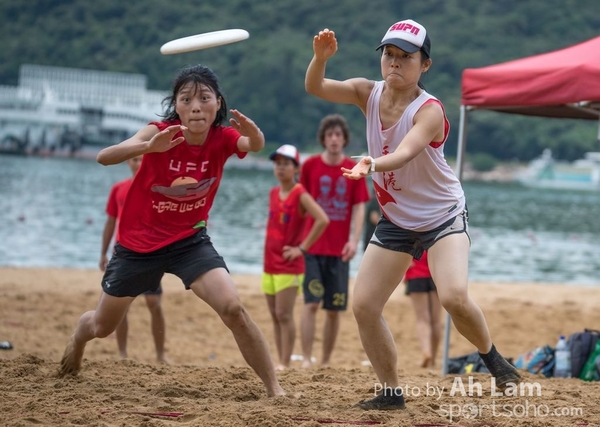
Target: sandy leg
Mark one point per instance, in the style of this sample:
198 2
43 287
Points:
70 364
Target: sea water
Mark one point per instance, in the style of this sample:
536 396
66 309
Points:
52 213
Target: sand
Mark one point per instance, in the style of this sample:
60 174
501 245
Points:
209 383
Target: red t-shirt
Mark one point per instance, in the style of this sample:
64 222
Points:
172 192
116 200
418 269
284 228
336 195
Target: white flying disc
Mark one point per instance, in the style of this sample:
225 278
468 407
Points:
203 41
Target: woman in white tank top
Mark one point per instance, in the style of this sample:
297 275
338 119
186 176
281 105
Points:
421 199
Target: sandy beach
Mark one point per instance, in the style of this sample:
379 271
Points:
209 383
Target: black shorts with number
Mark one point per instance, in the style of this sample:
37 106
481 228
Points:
326 279
130 273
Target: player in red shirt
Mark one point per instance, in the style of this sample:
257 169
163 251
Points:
428 309
289 206
163 225
328 260
114 206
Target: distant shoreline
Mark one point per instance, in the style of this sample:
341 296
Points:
504 173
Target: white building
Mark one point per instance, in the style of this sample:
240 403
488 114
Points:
73 111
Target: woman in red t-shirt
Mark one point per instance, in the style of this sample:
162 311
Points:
162 228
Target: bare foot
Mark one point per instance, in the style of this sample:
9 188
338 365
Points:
164 359
306 364
70 364
278 391
280 367
426 362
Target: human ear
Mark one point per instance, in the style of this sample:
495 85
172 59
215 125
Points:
426 65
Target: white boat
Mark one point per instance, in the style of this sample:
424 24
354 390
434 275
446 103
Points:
67 111
546 172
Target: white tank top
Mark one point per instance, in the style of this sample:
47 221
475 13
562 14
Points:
425 192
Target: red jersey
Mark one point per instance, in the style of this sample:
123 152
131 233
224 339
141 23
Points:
337 196
284 228
116 200
172 192
418 269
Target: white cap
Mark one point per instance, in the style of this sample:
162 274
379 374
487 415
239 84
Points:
408 35
288 151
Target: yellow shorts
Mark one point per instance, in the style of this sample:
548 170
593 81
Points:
274 283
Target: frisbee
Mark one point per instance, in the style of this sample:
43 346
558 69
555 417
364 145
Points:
203 41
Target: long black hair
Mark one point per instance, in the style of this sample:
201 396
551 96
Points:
197 75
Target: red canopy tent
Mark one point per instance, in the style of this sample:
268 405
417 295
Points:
564 83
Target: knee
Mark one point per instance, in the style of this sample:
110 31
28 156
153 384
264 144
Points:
102 330
283 316
455 303
233 313
363 311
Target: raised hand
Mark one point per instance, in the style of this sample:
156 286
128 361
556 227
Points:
163 140
244 125
325 44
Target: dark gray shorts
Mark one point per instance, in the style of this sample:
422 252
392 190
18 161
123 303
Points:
420 285
390 236
130 273
326 279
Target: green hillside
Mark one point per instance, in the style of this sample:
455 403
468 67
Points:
264 76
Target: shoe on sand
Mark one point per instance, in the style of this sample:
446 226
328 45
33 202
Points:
500 369
382 403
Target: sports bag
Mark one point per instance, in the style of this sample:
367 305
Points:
582 345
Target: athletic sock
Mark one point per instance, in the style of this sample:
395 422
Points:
500 369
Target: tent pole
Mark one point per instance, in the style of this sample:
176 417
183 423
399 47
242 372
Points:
459 172
462 142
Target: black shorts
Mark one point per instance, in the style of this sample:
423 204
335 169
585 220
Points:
326 279
420 285
130 273
157 291
390 236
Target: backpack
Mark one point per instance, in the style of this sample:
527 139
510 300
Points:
581 345
540 360
466 364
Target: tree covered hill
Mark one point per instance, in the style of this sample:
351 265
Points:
264 75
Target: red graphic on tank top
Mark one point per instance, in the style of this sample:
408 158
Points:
383 197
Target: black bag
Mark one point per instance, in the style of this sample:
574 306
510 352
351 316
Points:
581 345
466 364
